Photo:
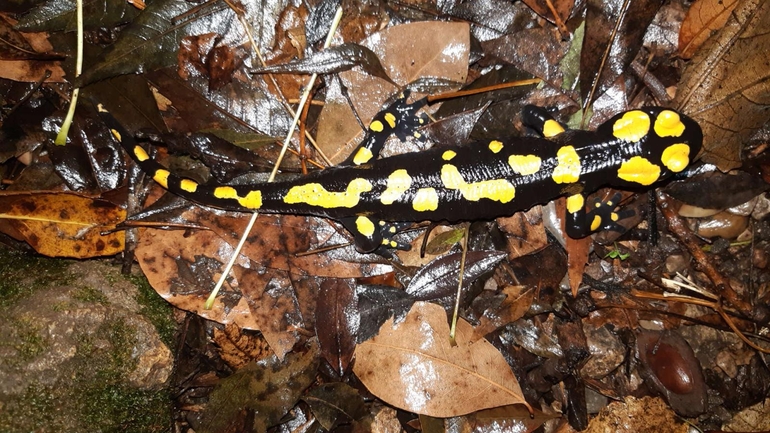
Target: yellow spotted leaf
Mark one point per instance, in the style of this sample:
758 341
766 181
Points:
413 366
61 224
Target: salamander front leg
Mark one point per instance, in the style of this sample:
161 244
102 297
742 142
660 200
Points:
600 216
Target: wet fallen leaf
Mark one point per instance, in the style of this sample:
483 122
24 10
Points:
726 87
703 19
61 224
413 366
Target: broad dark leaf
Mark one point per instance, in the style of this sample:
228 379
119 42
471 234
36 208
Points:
55 15
332 60
225 159
439 278
337 322
599 66
377 304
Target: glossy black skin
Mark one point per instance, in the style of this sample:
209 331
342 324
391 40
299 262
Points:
600 153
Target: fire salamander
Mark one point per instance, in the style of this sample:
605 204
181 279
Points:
373 198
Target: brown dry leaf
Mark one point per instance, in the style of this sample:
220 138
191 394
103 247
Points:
413 366
726 87
546 9
34 67
517 301
61 224
704 18
526 232
406 54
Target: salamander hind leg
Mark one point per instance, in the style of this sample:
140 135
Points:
602 215
399 118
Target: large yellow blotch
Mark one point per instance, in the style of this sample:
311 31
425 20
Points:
225 192
632 126
668 124
188 185
639 170
365 226
253 200
495 146
398 182
140 154
448 155
568 168
552 128
376 126
575 203
525 164
426 199
315 194
363 155
676 157
496 189
161 176
391 119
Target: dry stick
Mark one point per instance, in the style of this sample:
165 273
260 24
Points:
691 242
250 225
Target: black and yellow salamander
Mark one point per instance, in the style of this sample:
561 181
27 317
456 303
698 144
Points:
373 198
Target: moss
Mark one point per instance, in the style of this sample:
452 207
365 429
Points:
90 295
155 309
92 396
26 339
24 273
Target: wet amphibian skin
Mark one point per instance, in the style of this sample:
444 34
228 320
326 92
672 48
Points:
482 180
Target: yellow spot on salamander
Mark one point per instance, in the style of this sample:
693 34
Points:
161 176
376 126
632 126
668 124
525 164
426 199
225 192
253 200
552 128
495 146
676 157
188 185
496 189
391 119
448 155
614 216
596 223
365 226
117 135
315 194
140 154
575 203
363 155
568 168
639 170
398 182
100 108
393 244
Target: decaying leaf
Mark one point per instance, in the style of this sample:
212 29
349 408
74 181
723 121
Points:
726 87
61 224
413 366
334 403
704 18
268 388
